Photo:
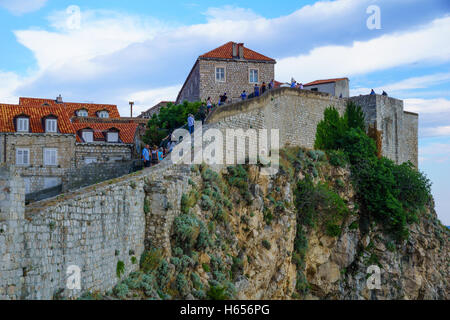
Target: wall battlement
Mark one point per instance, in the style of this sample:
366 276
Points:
296 114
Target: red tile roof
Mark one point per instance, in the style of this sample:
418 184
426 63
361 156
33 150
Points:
9 112
72 107
226 52
127 131
324 81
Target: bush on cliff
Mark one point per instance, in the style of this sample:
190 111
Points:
169 118
392 194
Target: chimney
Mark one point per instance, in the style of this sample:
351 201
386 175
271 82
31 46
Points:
235 50
59 99
241 50
131 107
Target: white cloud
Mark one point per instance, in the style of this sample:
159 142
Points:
19 7
387 51
230 13
9 81
148 98
424 106
436 152
407 84
436 132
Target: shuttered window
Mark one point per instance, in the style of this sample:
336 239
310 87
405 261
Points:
50 157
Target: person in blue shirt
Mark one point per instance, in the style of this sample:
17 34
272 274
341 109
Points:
191 122
256 90
243 95
146 156
160 154
372 92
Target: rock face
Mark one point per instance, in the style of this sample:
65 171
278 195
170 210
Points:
335 267
240 230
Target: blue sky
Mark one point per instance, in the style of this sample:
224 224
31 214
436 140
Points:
143 51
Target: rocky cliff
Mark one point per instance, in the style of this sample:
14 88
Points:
299 234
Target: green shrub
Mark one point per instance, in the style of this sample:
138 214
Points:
162 275
120 268
266 244
186 231
206 267
337 158
354 225
217 292
150 260
182 285
121 290
268 216
333 230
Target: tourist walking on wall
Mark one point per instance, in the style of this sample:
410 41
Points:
300 86
243 95
155 159
256 90
191 122
293 83
202 113
271 84
263 88
146 156
223 99
372 92
209 104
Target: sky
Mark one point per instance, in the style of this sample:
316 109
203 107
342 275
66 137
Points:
114 51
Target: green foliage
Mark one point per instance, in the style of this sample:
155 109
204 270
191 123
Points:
187 229
217 292
330 130
392 194
354 116
162 274
333 128
206 267
354 225
182 285
337 158
268 216
151 260
121 290
120 268
266 244
333 230
169 118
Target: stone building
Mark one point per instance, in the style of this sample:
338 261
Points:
45 139
154 110
230 69
336 87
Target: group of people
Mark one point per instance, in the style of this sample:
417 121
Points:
153 156
258 90
372 92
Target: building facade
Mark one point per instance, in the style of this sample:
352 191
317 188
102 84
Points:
228 69
154 110
44 139
335 87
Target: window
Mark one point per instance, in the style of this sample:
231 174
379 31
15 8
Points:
22 157
90 160
50 157
88 136
254 76
51 125
51 182
23 124
82 113
103 114
112 136
315 89
220 74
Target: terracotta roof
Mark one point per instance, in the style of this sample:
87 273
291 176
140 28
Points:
324 81
127 131
72 107
36 115
226 52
